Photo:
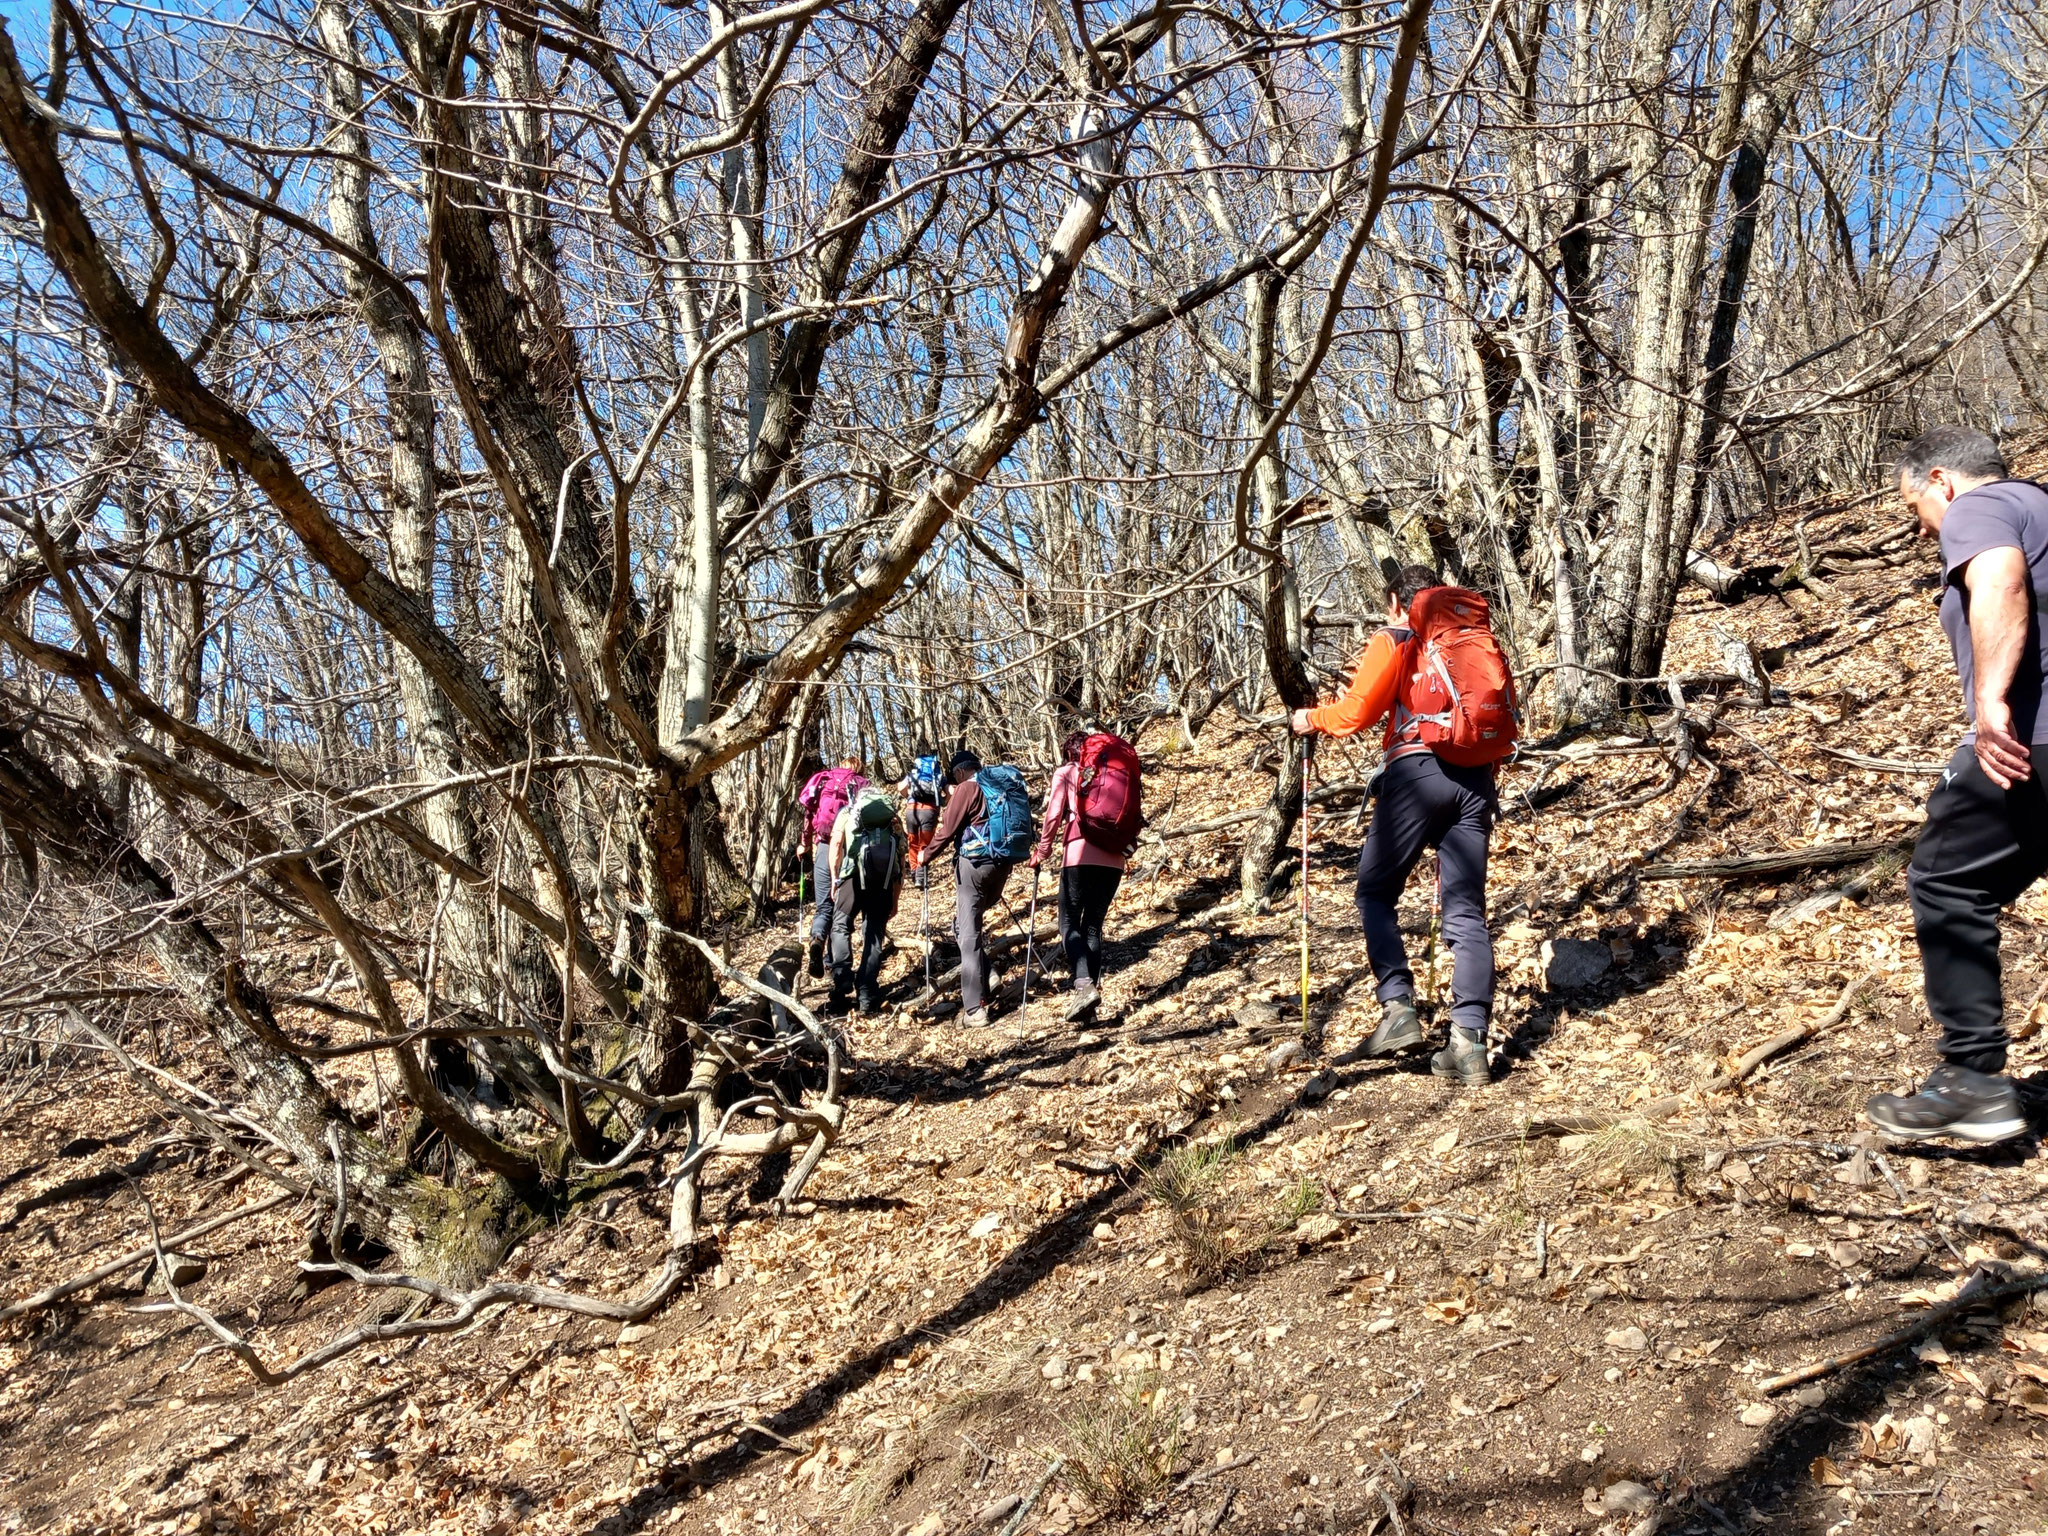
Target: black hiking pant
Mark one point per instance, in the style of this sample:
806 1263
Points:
1086 890
981 887
1979 849
874 907
1427 803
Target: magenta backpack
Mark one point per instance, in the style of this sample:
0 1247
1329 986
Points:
827 795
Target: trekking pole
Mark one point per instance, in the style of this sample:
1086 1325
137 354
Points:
1308 749
1030 935
924 930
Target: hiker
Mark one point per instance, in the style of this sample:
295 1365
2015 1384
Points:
823 797
1985 839
989 813
1092 811
921 789
865 854
1438 675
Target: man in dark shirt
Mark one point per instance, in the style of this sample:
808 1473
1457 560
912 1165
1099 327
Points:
1986 836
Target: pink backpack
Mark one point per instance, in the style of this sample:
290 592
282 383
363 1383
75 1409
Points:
827 795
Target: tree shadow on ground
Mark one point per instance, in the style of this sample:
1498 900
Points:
1049 1245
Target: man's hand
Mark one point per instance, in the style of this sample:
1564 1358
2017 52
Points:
1300 723
2005 759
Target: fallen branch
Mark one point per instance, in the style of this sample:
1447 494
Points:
135 1256
1397 1215
1202 1476
1818 856
1797 1035
1016 1521
1966 1300
1880 764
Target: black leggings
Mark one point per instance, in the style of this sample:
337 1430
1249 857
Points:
1086 891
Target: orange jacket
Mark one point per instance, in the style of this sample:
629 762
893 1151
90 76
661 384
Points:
1374 688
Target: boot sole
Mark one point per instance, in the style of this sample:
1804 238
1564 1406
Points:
1462 1079
1996 1130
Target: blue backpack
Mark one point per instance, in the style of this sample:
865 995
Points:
924 778
1005 834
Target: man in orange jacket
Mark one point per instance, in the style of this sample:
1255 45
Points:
1423 802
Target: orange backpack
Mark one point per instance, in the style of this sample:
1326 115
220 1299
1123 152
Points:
1458 699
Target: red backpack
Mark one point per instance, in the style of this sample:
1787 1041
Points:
1459 697
1111 810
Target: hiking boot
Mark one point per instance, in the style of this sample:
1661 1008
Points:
974 1018
1087 996
1400 1029
870 1002
814 959
1954 1101
1463 1060
838 1005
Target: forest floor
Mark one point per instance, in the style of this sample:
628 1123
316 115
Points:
1133 1251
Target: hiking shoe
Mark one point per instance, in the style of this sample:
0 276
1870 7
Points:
1954 1101
1463 1060
870 1002
1084 1001
1400 1029
974 1018
814 959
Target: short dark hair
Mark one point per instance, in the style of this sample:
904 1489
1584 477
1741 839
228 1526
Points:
964 758
1070 749
1411 580
1958 449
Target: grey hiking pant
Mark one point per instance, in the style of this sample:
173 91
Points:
1426 803
981 887
821 888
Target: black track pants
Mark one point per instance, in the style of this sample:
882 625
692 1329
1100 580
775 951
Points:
1981 847
1086 890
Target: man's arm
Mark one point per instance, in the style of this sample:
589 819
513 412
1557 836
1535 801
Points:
2000 604
961 807
1366 701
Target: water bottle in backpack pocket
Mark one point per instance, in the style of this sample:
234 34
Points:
1003 835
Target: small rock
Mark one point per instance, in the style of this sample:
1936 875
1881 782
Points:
1592 1453
1856 1172
997 1509
1257 1015
1917 1174
1288 1053
1626 1498
1845 1255
1633 1339
183 1268
1756 1415
1811 1397
1316 1228
1104 1231
636 1333
1570 964
1054 1368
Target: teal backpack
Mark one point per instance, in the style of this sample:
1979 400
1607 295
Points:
1004 833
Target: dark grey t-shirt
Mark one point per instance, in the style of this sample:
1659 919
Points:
2006 514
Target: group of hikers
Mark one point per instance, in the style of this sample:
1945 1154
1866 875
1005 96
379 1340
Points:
1438 679
862 844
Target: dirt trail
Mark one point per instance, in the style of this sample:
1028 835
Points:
1557 1319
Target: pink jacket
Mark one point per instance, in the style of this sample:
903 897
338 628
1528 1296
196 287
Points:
1063 818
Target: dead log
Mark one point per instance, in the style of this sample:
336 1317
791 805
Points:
1787 861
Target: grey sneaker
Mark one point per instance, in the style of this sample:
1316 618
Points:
1463 1060
974 1018
1954 1101
1084 1001
1400 1029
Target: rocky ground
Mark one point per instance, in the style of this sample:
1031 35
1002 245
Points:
1172 1274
